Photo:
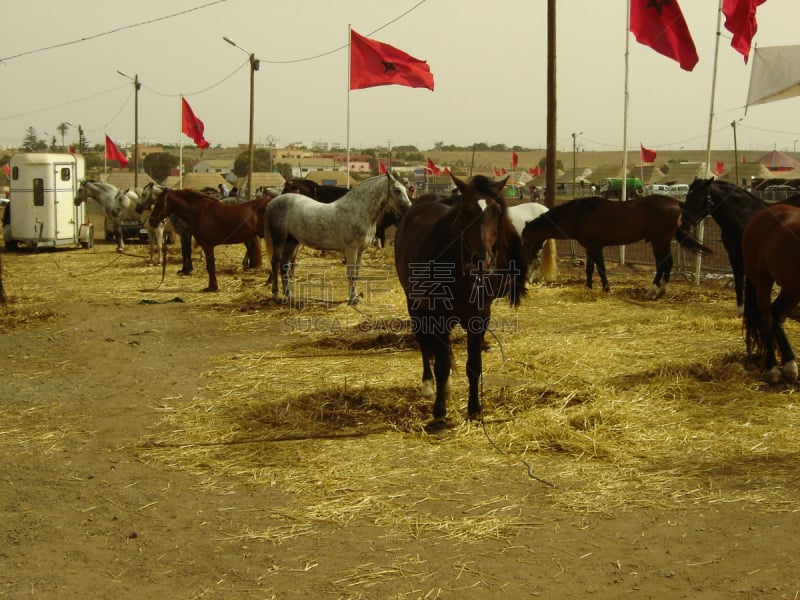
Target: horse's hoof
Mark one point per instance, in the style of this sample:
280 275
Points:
353 301
210 290
437 426
427 388
183 273
773 376
789 371
475 415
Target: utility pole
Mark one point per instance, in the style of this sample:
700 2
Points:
254 65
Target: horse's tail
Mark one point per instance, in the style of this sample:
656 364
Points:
548 267
686 240
751 318
269 244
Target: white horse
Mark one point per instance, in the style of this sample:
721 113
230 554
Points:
117 207
143 205
347 225
520 215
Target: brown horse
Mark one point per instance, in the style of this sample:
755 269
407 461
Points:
596 222
213 223
771 251
453 261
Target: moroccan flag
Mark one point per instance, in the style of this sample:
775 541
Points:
648 156
192 126
514 160
374 63
740 20
660 25
433 168
113 153
381 168
535 171
719 168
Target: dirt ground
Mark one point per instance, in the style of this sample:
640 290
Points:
89 371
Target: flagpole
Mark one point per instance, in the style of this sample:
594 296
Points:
698 261
624 191
180 148
349 64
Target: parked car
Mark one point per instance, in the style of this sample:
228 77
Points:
131 230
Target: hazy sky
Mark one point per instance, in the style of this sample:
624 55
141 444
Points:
488 60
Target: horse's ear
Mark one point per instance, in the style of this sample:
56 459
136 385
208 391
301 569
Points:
461 185
499 185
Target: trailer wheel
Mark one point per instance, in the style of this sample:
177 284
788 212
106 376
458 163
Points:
89 243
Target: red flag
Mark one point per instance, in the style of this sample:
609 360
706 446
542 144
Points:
447 171
496 171
433 168
6 169
374 63
535 171
719 169
71 150
381 168
514 160
744 160
113 153
648 156
740 20
503 171
660 25
192 126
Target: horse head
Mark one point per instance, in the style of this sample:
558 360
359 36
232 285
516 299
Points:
82 195
478 216
398 200
148 197
698 201
161 208
488 242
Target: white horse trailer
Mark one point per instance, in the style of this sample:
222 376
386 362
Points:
42 190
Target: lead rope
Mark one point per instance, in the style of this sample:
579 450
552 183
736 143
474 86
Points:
531 474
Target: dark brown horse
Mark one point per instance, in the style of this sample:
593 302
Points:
453 261
321 193
596 222
771 251
213 223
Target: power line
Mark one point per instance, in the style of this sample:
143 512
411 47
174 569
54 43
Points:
112 31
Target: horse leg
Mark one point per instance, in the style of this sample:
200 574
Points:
287 258
186 253
442 364
211 267
766 326
780 307
120 237
474 368
353 261
663 270
597 259
589 270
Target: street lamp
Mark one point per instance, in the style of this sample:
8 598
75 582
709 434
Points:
63 129
254 64
136 87
575 162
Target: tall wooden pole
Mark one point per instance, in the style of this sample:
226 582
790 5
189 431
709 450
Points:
550 166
